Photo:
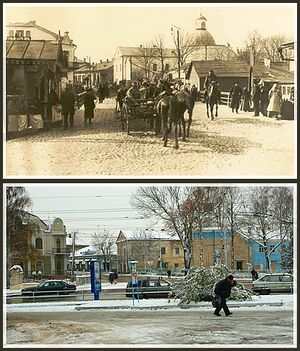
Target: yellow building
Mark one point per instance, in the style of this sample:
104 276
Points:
211 247
153 252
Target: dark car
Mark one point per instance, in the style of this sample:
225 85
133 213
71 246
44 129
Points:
49 287
150 287
273 282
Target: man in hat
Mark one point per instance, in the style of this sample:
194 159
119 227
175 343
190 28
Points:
236 94
145 89
134 93
223 290
256 96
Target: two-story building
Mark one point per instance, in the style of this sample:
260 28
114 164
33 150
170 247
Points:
212 246
153 252
49 243
32 31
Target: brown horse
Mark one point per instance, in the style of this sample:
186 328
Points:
166 110
185 102
212 97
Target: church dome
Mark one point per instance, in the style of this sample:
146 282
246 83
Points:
202 36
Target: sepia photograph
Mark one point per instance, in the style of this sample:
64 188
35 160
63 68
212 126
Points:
198 90
164 265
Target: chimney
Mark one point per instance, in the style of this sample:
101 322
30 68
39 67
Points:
267 62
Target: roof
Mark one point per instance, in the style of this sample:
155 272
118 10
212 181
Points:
33 49
136 51
156 235
104 65
222 68
33 24
229 68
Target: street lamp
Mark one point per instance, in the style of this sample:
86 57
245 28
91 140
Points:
173 28
159 245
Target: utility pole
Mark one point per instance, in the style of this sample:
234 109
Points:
73 254
178 45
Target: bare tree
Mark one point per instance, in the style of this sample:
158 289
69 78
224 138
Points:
185 46
182 210
103 243
262 222
143 249
145 59
161 52
270 46
253 47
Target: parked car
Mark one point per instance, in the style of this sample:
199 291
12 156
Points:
47 287
149 287
273 282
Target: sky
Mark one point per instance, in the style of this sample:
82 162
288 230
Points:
98 29
88 209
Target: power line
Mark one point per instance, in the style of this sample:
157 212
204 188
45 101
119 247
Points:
76 196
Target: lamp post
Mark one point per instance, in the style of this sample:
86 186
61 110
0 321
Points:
159 245
177 40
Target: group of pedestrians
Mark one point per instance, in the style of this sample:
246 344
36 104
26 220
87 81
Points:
113 277
265 101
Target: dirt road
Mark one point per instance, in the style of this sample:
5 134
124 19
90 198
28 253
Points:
233 145
150 327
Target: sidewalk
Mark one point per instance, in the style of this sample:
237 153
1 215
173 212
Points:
265 302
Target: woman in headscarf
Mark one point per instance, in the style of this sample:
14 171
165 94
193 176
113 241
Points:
275 101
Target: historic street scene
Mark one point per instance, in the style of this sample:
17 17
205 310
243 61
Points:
173 90
112 265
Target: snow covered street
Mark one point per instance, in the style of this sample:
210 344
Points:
152 322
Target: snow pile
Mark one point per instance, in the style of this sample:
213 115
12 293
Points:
198 285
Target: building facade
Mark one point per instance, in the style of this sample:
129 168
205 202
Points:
49 246
212 247
152 253
32 31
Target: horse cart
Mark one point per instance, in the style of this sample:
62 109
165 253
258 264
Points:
141 109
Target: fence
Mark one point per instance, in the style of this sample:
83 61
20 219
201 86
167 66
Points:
225 97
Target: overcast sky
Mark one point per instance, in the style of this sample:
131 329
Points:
98 30
87 209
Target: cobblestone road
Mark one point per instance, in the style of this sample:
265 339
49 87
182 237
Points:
233 145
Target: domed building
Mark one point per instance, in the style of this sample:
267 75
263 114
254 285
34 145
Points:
203 37
207 49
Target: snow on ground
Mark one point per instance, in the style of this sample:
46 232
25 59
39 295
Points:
264 303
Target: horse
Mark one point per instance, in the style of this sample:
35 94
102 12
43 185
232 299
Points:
185 102
166 110
212 97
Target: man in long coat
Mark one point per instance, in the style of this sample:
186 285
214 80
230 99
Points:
256 95
236 93
67 101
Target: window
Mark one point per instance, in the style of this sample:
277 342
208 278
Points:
163 250
28 34
39 266
152 283
11 33
58 245
265 279
272 247
239 265
274 279
286 278
177 251
167 67
288 90
154 67
261 249
39 243
284 90
19 34
164 283
176 265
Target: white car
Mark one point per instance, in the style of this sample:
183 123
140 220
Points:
273 282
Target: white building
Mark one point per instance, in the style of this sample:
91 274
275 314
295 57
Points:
32 31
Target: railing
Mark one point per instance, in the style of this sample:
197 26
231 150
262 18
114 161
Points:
225 97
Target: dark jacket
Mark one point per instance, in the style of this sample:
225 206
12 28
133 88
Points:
256 93
223 288
67 101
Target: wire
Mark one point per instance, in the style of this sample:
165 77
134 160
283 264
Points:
75 196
